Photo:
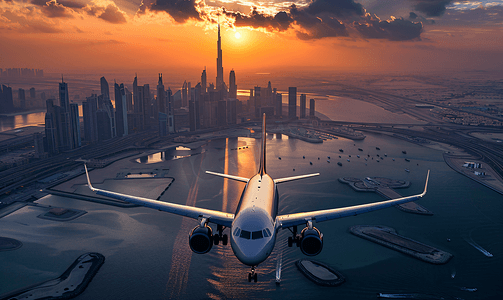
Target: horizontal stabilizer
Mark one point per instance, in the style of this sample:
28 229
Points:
286 179
237 178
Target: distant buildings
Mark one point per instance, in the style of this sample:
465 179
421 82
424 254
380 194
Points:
292 102
302 106
311 108
233 88
6 100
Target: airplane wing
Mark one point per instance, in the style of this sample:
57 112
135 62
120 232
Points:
286 179
216 217
286 221
237 178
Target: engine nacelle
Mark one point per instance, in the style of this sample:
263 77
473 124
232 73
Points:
311 241
201 239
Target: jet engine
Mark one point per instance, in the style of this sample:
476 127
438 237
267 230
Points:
201 239
311 241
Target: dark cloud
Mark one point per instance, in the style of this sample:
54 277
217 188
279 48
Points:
317 26
432 8
393 30
57 9
339 8
112 14
281 21
412 16
180 10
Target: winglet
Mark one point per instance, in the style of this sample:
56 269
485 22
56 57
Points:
426 184
88 180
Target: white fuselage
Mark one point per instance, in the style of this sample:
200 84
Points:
253 233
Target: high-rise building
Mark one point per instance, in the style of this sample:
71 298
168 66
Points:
65 127
135 96
279 104
257 101
233 88
89 109
121 126
184 94
220 69
302 106
161 95
51 141
171 111
147 113
105 89
203 81
22 98
311 108
75 125
6 100
104 125
292 102
32 93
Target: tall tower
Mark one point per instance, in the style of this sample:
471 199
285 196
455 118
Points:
233 88
161 95
203 81
220 69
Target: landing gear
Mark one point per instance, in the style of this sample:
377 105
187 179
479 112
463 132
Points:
295 238
252 275
217 237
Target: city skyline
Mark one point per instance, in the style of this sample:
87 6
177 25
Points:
368 36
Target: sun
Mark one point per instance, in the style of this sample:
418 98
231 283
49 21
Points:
237 35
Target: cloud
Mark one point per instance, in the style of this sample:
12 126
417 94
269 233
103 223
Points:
396 29
432 8
180 10
113 15
280 22
53 9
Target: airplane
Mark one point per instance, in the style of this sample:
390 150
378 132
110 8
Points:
255 224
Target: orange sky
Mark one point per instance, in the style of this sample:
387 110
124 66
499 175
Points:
102 35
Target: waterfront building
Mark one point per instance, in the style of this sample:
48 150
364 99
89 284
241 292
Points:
65 126
32 93
6 100
22 98
232 111
292 102
184 94
105 89
171 111
279 104
311 108
302 106
104 125
161 95
233 88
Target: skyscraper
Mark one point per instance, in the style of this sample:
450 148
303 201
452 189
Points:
75 125
6 100
22 98
105 89
311 108
279 104
65 126
302 106
233 88
161 100
292 102
203 81
220 69
121 126
89 109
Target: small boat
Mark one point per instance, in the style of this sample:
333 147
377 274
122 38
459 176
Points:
294 170
328 161
328 157
358 156
279 158
340 164
377 160
311 163
303 157
464 288
386 155
360 149
407 170
350 155
340 150
393 159
377 155
377 148
318 158
340 156
348 159
366 159
407 159
404 152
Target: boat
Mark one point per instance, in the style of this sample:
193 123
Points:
407 170
393 159
366 159
407 159
328 157
279 158
328 161
404 152
340 150
348 159
303 157
360 149
377 148
386 155
340 156
377 160
340 164
311 163
358 156
349 155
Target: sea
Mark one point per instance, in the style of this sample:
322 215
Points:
147 255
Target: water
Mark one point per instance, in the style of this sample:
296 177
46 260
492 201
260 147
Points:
23 120
147 252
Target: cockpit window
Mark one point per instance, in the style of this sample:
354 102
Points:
237 231
257 235
245 234
267 232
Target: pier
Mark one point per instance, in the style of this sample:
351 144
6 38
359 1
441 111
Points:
388 237
385 187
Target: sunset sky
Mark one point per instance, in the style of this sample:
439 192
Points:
161 35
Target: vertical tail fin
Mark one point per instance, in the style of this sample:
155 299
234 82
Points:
261 169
